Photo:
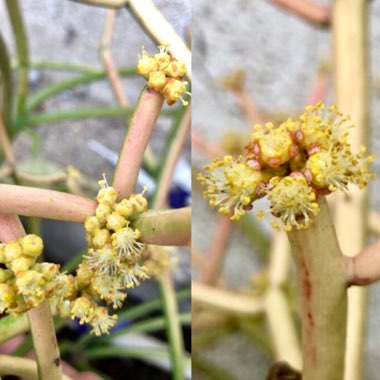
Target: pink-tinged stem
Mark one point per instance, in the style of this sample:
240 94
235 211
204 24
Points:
364 269
50 204
40 318
322 282
319 90
308 10
210 273
137 138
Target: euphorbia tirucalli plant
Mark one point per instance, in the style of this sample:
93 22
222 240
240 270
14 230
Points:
118 226
296 165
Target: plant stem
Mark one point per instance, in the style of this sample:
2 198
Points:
351 91
19 33
75 114
143 121
172 151
46 348
63 66
173 330
113 4
88 77
11 326
165 227
40 318
223 301
308 10
21 367
322 284
6 84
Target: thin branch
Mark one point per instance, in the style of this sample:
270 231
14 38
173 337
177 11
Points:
225 301
6 144
19 33
113 4
21 367
206 148
143 121
108 61
309 10
210 273
176 147
364 269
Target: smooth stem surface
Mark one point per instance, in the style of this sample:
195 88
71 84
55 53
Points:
12 326
350 30
174 333
19 34
6 87
143 121
322 283
40 318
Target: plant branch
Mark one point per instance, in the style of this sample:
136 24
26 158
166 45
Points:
163 227
11 326
6 88
322 284
40 318
171 156
350 44
141 126
225 301
113 4
309 10
19 33
364 268
6 144
210 273
108 61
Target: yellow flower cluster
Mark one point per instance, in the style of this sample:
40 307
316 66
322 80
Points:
113 260
293 164
111 265
24 284
164 74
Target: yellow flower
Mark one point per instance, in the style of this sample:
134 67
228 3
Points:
293 201
12 251
126 242
232 186
82 308
146 64
272 145
157 80
174 91
115 221
32 245
133 273
101 321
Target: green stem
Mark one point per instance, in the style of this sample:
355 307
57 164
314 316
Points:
22 53
12 326
129 352
5 84
38 98
76 114
322 284
64 66
173 326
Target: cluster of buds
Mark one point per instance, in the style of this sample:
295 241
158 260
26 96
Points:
113 260
164 74
24 284
292 164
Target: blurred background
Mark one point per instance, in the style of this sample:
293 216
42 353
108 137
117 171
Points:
256 61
